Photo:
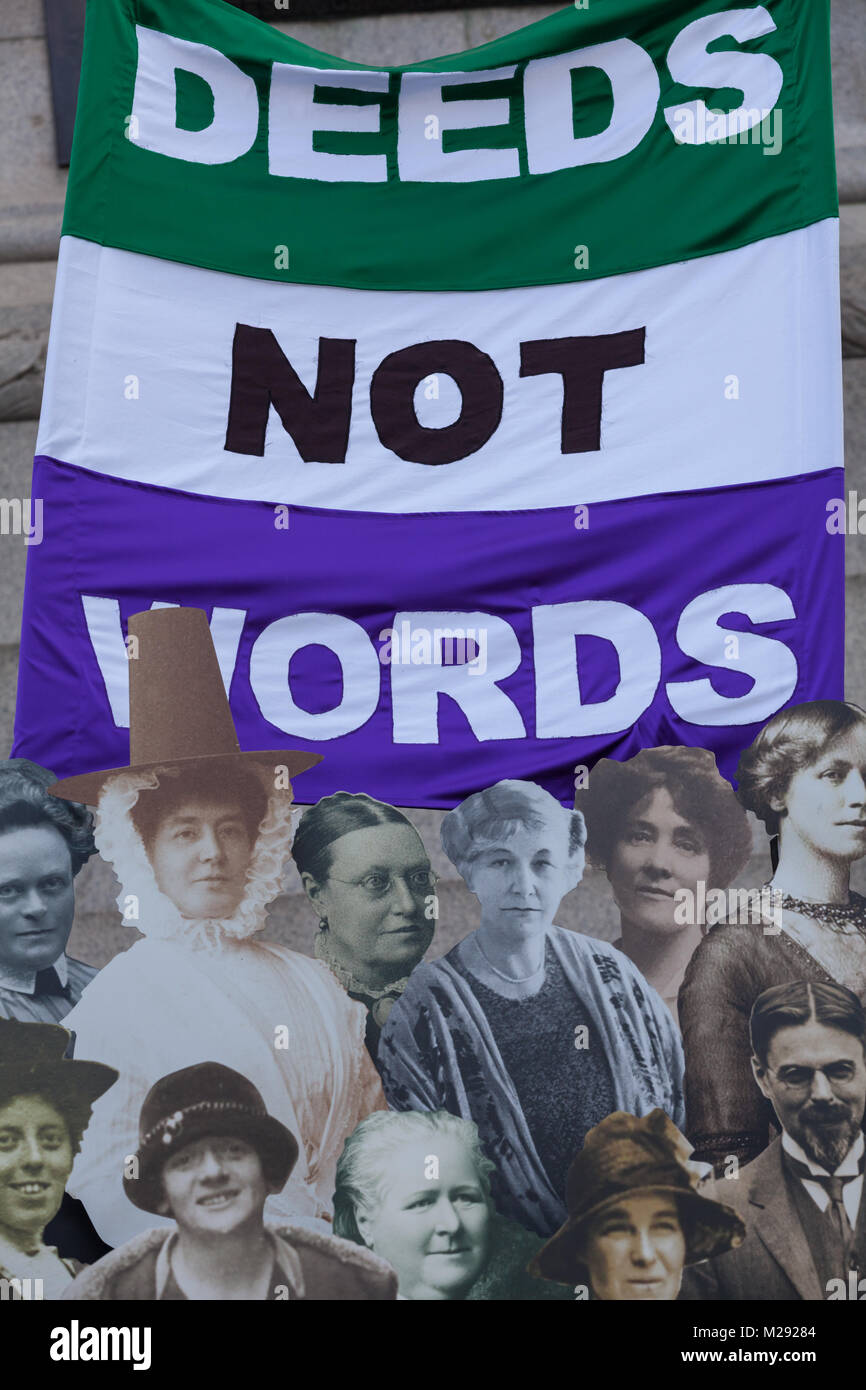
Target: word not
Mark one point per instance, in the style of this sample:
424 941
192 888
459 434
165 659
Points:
846 518
561 711
22 517
531 110
421 647
704 127
262 376
76 1343
741 905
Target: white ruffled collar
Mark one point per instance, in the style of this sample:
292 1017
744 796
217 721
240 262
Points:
156 917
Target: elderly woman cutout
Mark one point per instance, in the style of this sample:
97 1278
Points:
43 844
367 874
45 1106
198 844
805 778
533 1032
661 824
635 1215
415 1188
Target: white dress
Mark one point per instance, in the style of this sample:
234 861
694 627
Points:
203 991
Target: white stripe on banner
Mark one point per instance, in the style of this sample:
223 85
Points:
740 381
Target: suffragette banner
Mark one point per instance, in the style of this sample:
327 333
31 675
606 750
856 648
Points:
490 407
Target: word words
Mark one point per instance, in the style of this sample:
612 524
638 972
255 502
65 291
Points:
701 126
532 111
420 647
846 519
741 905
262 376
75 1343
560 710
22 517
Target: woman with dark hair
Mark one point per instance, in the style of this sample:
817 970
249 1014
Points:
415 1189
43 845
45 1104
805 778
531 1031
663 825
367 874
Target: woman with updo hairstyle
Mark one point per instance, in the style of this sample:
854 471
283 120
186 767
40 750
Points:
44 843
415 1189
532 1032
367 875
804 776
667 829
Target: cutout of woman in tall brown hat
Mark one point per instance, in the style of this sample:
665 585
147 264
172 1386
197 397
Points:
635 1215
198 833
45 1104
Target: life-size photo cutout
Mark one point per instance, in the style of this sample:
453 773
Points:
43 845
668 831
45 1107
208 1156
801 1199
804 776
533 1032
198 833
636 1216
415 1188
368 876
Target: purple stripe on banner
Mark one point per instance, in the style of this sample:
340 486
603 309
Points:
576 633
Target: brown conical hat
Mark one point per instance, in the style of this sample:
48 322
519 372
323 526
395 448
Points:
179 713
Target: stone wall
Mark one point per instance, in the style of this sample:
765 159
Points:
31 204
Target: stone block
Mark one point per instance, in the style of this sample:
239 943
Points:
32 188
8 688
855 639
854 382
21 19
390 40
848 49
852 268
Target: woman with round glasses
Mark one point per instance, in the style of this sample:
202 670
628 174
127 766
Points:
532 1032
367 874
804 776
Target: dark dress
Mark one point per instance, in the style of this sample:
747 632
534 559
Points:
725 1111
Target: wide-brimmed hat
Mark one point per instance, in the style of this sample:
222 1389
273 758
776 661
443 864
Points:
32 1061
179 714
199 1101
623 1157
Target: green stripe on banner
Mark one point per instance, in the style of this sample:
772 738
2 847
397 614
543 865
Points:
657 186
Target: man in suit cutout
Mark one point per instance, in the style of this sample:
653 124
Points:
801 1199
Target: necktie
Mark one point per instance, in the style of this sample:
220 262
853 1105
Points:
834 1187
48 982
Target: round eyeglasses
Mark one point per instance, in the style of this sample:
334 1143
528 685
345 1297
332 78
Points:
379 884
799 1079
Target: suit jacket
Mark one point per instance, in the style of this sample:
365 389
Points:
774 1262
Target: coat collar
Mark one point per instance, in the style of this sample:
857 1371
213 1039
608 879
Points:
773 1218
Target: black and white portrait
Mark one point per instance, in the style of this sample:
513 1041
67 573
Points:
415 1188
368 877
804 777
208 1156
533 1032
43 845
667 829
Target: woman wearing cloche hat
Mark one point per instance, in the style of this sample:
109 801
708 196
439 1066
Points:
208 1156
198 832
635 1214
45 1105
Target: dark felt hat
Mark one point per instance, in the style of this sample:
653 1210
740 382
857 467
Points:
623 1157
179 714
32 1059
207 1099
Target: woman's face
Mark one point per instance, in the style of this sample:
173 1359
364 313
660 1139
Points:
35 1163
520 879
37 899
432 1223
657 853
200 854
824 807
637 1250
379 900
